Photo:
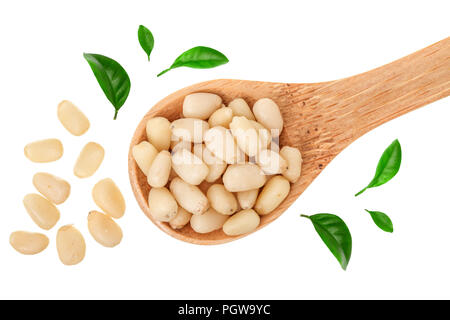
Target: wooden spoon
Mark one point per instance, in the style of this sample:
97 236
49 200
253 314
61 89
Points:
321 119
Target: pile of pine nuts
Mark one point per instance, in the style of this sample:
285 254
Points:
70 243
233 149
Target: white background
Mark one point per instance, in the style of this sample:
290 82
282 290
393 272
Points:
290 41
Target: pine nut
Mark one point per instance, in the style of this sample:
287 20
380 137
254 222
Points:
221 143
104 229
70 245
181 219
89 160
161 204
247 199
53 188
271 162
241 108
221 117
189 129
189 167
271 196
246 135
28 242
243 177
108 197
43 212
201 105
244 221
294 161
144 153
208 222
44 150
222 200
158 174
190 197
159 133
268 114
72 118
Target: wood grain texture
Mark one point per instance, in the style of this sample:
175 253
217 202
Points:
321 119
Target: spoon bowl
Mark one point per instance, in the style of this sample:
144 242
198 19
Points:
320 119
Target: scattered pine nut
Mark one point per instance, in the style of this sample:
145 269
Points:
89 160
72 118
47 150
70 245
28 243
108 197
52 187
42 211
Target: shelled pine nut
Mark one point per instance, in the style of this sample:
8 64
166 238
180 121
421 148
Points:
47 150
72 118
209 221
53 188
28 243
244 221
70 245
108 197
181 219
201 105
104 229
89 160
159 133
273 193
42 211
162 205
144 153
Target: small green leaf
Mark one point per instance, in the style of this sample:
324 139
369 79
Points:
334 233
146 40
381 220
388 166
199 58
112 78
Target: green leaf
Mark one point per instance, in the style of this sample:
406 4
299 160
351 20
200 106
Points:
334 233
388 166
146 40
381 220
112 78
199 58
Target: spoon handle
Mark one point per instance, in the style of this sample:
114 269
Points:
370 99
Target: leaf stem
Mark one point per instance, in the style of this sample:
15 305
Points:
361 192
162 72
115 114
304 216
